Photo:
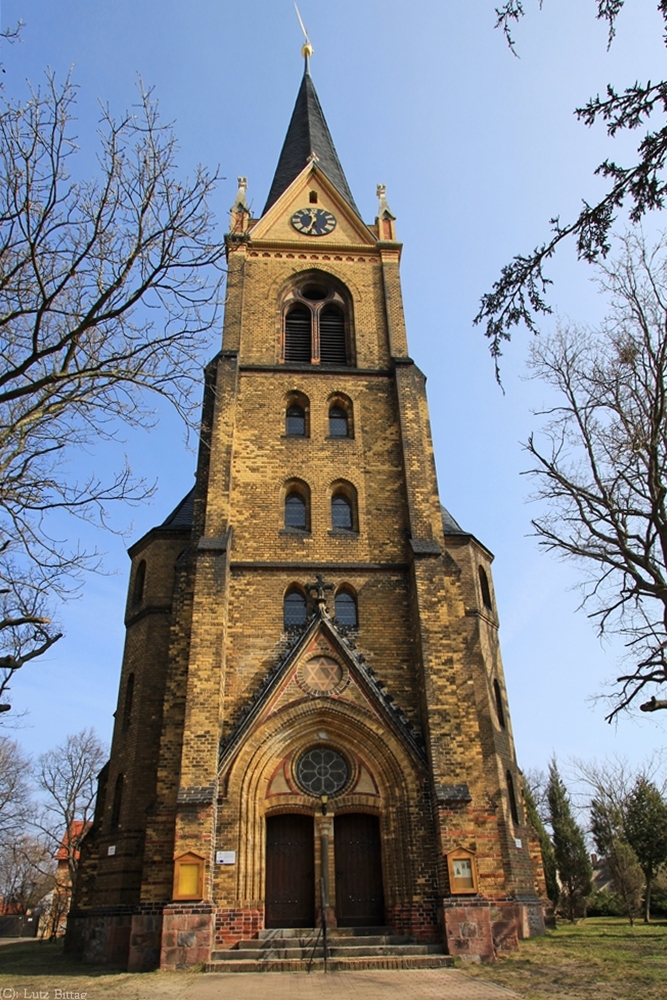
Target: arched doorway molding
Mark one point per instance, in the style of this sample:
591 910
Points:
397 773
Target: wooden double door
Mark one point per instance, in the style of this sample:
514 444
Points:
290 871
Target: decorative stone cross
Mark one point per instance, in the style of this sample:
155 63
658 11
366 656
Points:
317 592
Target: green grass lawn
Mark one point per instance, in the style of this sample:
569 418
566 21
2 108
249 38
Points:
28 966
601 958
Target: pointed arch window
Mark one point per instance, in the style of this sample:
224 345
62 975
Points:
346 609
340 417
316 325
295 610
499 703
512 797
295 512
484 587
341 512
117 802
139 584
129 698
297 506
344 517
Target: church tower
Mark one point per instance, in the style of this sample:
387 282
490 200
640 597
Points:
312 722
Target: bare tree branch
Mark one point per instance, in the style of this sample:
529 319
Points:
519 294
68 777
108 288
601 462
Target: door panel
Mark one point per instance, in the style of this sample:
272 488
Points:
290 867
358 852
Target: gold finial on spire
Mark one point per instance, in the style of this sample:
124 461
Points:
307 49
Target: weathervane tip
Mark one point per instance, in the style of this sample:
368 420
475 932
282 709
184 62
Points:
307 49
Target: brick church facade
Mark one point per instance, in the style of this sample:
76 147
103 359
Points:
312 717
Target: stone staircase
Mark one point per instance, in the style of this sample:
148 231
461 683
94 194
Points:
348 949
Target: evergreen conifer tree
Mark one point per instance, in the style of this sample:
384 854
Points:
572 860
608 829
546 847
646 832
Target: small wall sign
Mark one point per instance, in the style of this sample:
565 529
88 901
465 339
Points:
462 872
111 850
225 857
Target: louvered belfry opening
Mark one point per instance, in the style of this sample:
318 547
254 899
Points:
298 334
333 349
317 328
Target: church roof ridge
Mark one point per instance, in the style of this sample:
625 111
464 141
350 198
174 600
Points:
308 138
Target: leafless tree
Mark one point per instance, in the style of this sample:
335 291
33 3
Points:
27 872
15 807
67 775
601 464
108 288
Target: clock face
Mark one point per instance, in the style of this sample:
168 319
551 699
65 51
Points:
313 221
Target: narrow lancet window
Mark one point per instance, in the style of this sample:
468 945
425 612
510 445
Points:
296 512
338 422
484 587
346 609
341 513
295 421
294 609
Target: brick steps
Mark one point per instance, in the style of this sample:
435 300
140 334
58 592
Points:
349 948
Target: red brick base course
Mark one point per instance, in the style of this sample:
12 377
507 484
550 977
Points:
232 926
419 920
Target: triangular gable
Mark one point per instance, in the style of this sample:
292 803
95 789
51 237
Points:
304 671
276 226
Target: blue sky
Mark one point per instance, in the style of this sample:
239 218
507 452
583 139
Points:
478 150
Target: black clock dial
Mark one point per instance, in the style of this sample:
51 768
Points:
313 221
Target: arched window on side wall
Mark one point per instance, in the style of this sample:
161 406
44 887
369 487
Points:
340 418
295 610
346 609
297 514
129 698
295 420
484 587
139 584
500 712
117 802
512 797
341 513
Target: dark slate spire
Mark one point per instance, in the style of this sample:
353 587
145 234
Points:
308 134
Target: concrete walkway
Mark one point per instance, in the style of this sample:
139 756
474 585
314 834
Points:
414 984
50 977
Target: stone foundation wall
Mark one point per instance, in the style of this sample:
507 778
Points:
467 929
187 935
145 942
100 938
477 930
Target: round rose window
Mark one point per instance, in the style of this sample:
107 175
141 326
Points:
322 771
